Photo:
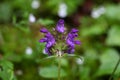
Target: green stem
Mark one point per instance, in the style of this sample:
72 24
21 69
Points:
115 69
59 67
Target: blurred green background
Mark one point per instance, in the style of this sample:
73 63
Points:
21 55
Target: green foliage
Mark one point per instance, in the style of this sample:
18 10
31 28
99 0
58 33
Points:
6 70
84 73
109 57
5 11
100 40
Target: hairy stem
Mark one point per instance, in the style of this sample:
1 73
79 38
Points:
115 69
59 66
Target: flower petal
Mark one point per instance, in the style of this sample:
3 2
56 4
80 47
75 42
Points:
69 42
47 50
77 42
60 26
49 44
43 40
74 30
71 50
44 30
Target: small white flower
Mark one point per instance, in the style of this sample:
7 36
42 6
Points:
62 11
79 61
32 18
35 4
19 72
98 12
28 51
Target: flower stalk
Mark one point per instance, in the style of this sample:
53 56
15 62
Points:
59 67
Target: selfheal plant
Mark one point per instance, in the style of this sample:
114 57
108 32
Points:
60 42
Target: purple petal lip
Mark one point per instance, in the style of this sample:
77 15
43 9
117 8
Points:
49 44
74 30
47 50
48 35
43 40
70 42
61 21
44 30
77 42
60 26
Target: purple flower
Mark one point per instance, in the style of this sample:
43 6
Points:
49 39
70 40
60 26
55 42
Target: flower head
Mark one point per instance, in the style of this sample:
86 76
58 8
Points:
60 44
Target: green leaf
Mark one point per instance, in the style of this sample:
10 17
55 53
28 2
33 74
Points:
108 60
113 38
51 72
64 61
7 70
